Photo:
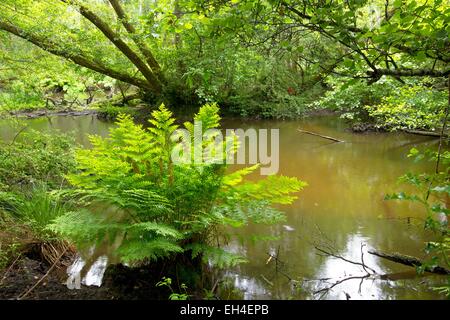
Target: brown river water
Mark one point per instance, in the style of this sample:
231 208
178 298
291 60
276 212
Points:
342 209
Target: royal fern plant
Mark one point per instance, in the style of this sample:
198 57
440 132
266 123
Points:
158 209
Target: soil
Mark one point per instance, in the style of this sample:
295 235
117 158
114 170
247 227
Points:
119 283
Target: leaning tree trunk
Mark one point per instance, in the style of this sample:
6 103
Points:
142 46
133 57
76 57
152 79
408 261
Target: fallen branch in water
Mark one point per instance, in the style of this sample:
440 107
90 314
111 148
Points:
117 100
334 255
320 135
408 261
370 273
426 133
278 269
326 290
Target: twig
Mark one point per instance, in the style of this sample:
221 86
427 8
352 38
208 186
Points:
444 125
9 269
343 258
215 286
276 260
18 134
43 277
323 291
362 258
267 280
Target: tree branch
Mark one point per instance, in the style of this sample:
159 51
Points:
408 73
77 58
408 261
143 48
119 43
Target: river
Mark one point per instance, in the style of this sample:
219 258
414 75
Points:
342 209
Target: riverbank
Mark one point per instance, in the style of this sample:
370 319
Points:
48 113
351 216
119 283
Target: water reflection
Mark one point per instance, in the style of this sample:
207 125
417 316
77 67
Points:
344 200
337 270
347 184
78 126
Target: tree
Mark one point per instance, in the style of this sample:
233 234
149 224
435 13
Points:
393 38
72 39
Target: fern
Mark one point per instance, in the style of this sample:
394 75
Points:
157 228
209 117
140 250
237 177
132 195
274 189
215 256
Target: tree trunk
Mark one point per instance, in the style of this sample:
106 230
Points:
77 58
153 81
143 48
408 261
427 133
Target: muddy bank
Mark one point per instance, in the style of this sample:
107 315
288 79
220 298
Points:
119 283
47 113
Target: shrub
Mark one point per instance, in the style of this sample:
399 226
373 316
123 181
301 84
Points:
26 224
432 190
388 104
410 107
35 158
160 209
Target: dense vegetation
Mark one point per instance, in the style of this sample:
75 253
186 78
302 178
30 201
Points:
382 65
160 208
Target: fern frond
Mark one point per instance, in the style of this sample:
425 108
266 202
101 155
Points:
209 117
84 228
252 211
146 201
236 177
157 228
274 189
138 250
163 125
215 256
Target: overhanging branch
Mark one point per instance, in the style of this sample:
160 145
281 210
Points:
408 73
142 46
119 43
77 58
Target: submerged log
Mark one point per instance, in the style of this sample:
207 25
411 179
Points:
408 261
426 133
320 135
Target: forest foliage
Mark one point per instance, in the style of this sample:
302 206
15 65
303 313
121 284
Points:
384 64
269 58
